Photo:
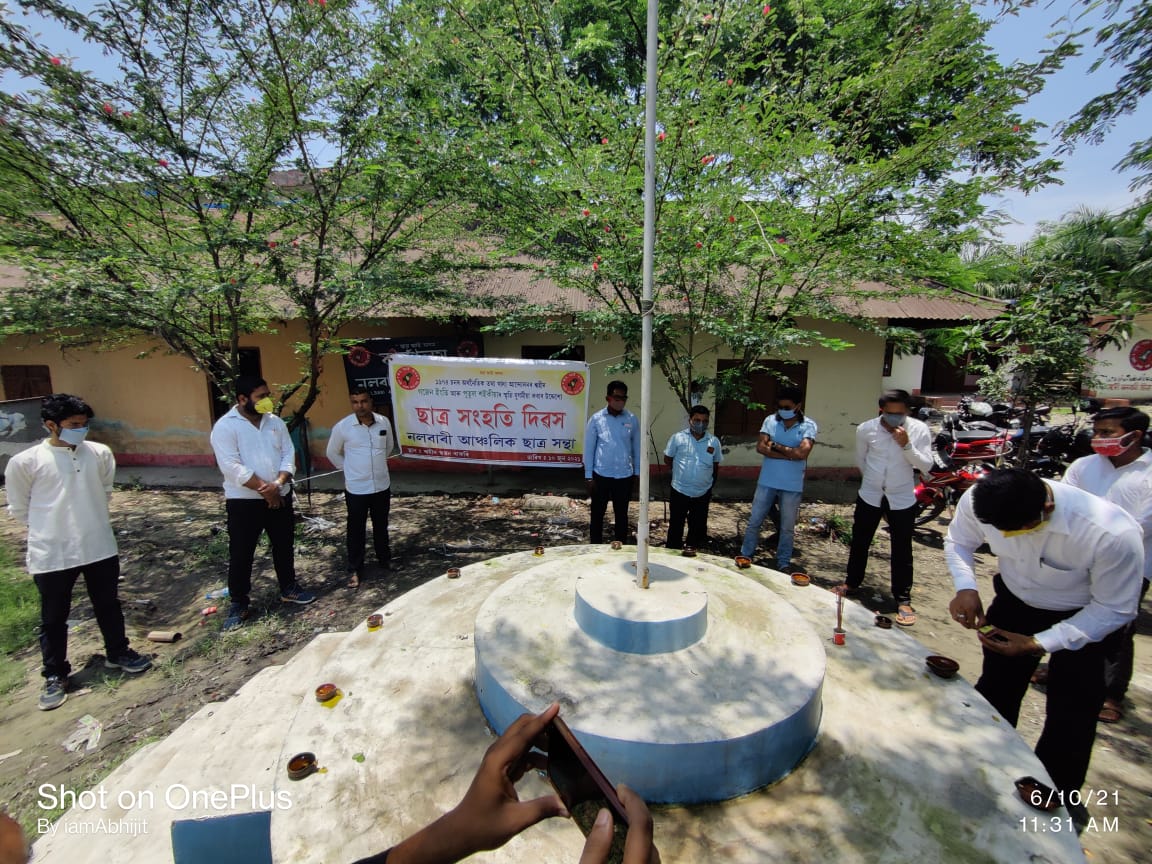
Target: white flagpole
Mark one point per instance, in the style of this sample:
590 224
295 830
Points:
646 302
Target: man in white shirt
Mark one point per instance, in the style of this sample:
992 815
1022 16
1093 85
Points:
60 490
889 450
1119 471
360 445
694 457
1070 566
254 453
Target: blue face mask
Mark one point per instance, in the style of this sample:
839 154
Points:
785 415
73 437
895 419
698 427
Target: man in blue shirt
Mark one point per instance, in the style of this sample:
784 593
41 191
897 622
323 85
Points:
786 439
694 456
611 461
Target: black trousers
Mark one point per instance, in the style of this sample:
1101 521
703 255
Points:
101 578
1119 655
865 521
1075 688
681 507
247 520
618 490
360 508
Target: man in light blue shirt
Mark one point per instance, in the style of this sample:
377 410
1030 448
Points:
694 457
786 439
612 441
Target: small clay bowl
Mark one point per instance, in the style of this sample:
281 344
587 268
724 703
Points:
883 622
616 544
688 552
1037 794
325 692
742 562
538 551
943 667
301 765
453 573
375 621
801 580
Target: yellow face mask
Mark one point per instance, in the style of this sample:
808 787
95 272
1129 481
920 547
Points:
265 405
1020 532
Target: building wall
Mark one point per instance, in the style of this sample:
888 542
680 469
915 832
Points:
907 373
153 404
154 408
1118 368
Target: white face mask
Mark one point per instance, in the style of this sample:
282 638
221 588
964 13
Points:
73 437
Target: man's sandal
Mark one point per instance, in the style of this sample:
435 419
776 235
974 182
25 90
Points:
1112 712
905 615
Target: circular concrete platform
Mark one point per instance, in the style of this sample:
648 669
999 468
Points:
705 686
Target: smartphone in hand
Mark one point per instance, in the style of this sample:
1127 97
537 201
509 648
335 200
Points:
582 786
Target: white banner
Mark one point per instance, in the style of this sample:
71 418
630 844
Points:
490 410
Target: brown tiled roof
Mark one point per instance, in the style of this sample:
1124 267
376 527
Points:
880 300
487 291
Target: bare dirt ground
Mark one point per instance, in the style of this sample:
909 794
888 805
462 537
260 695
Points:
174 550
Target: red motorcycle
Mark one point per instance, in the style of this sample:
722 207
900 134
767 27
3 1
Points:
944 484
975 445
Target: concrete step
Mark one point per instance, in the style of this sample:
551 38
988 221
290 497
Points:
221 760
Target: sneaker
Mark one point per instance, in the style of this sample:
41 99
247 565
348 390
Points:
298 595
237 615
53 695
129 661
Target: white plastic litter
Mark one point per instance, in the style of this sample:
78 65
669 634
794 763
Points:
86 734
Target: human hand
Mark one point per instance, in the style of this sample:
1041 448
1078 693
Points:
491 813
900 435
1009 644
638 848
966 609
270 492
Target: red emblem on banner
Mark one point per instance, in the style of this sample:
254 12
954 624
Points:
360 356
1141 355
467 348
573 383
407 378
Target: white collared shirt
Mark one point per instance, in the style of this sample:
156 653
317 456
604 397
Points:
886 468
362 451
243 450
62 496
1088 556
1128 487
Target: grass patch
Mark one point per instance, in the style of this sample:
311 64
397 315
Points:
214 552
12 674
840 529
19 605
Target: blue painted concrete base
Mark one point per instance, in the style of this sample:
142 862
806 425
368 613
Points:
736 710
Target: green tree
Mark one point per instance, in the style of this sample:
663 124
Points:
1039 350
803 146
1124 42
223 166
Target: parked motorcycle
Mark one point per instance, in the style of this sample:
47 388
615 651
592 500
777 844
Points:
975 445
1058 447
1000 415
943 485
